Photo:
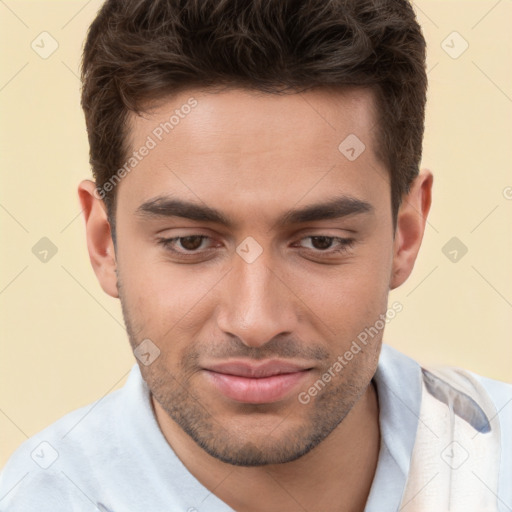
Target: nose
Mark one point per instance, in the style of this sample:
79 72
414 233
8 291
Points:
257 304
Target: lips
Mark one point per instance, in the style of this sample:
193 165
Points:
267 382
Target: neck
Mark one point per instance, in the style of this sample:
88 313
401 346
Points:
335 475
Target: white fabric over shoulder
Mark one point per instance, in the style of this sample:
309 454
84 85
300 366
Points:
456 457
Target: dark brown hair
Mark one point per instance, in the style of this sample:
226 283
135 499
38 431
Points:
138 50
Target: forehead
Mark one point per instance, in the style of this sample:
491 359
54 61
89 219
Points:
252 146
229 120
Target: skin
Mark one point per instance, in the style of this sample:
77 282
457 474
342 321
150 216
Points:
254 156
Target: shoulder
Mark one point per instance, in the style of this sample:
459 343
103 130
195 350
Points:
39 469
496 392
500 392
42 491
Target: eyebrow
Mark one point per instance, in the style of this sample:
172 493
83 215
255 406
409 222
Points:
331 208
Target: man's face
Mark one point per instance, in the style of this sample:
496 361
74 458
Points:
249 314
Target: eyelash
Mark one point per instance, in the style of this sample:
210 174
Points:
345 245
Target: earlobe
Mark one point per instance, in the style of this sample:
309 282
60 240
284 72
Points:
99 237
411 221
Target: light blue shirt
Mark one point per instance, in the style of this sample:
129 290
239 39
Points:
111 456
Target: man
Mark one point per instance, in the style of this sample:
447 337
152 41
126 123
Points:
256 197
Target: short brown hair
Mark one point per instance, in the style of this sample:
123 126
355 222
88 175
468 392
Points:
137 50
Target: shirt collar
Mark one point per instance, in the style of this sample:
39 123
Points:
398 383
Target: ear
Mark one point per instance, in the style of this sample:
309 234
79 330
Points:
411 220
99 237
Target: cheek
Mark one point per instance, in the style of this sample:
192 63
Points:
163 298
349 297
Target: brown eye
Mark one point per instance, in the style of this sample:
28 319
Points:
327 244
184 245
191 243
321 242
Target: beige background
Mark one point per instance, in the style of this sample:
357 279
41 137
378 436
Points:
63 343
